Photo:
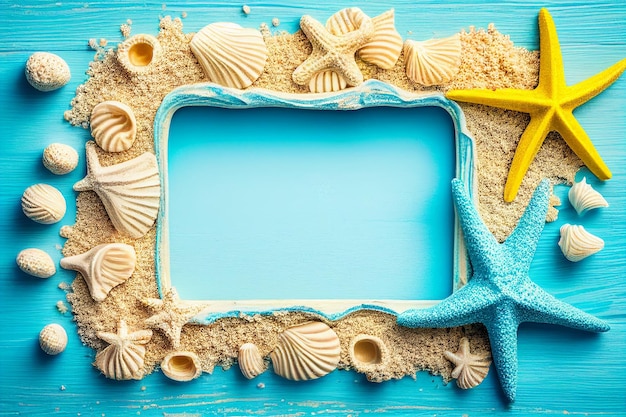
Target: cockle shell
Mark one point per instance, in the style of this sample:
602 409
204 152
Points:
576 243
181 366
470 369
139 53
46 71
326 82
124 357
367 352
432 62
113 126
43 203
230 55
53 339
583 197
103 267
250 361
130 191
60 159
307 351
36 262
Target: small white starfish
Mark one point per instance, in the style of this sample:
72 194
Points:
171 315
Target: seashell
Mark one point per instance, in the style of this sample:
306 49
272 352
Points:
43 203
181 366
470 370
327 82
230 55
367 352
583 197
576 243
250 360
124 357
60 159
46 71
113 126
53 339
139 53
307 351
434 61
130 191
104 267
36 262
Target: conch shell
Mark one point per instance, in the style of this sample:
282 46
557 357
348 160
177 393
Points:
124 357
113 126
432 62
250 361
583 197
576 243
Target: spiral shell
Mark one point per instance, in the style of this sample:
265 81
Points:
139 53
46 71
43 203
432 62
36 262
583 197
181 366
230 55
60 159
53 339
576 243
307 351
326 82
250 361
113 126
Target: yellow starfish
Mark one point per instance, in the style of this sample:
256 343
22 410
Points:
550 106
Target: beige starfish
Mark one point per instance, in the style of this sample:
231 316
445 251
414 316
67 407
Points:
470 369
332 52
171 315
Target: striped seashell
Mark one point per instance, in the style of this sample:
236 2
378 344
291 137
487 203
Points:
230 55
181 366
470 369
250 361
124 357
113 126
327 82
576 243
307 351
583 197
36 262
43 203
432 62
139 53
53 339
130 191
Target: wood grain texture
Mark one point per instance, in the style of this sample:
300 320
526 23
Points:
561 370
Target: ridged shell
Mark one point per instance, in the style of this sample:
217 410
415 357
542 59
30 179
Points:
181 366
43 203
60 159
326 82
367 352
230 55
470 369
103 267
46 71
307 351
576 243
250 361
113 126
130 191
36 262
53 339
124 357
139 53
583 197
432 62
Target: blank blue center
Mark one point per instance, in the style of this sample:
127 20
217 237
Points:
300 204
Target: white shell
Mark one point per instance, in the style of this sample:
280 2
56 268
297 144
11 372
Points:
230 55
250 361
367 352
307 351
470 369
576 243
60 159
43 203
326 82
130 191
46 71
583 197
103 267
434 61
36 262
53 339
139 53
124 357
181 366
113 126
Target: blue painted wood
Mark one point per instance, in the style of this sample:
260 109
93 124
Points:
561 371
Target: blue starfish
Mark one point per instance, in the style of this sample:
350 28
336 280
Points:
500 294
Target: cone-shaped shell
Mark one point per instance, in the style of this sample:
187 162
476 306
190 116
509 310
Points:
113 126
181 366
43 203
230 55
432 62
53 339
103 267
576 243
307 351
124 357
139 53
326 82
250 361
583 197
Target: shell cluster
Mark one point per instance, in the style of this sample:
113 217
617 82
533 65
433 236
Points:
43 203
181 366
113 126
583 197
139 53
576 243
60 159
46 71
53 339
434 61
36 262
251 362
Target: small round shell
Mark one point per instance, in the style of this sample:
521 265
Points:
367 352
432 62
250 361
576 243
113 126
326 82
53 339
46 71
60 159
36 262
43 203
583 197
181 366
139 53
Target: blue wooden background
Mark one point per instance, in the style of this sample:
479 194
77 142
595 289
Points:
561 371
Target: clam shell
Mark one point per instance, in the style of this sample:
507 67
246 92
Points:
124 357
139 53
434 61
46 71
367 352
250 361
113 126
583 197
326 82
576 243
230 55
36 262
53 339
60 159
181 366
43 203
307 351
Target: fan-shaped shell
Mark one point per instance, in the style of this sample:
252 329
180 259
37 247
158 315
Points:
434 61
326 82
139 53
53 339
181 366
576 243
103 267
230 55
59 158
250 361
470 369
43 203
36 262
113 126
124 357
307 351
583 197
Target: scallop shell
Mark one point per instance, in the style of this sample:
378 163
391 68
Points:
60 159
583 197
230 54
124 357
250 360
576 243
103 267
113 126
307 351
43 203
36 262
139 53
46 71
53 339
434 61
130 191
181 366
367 352
326 82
